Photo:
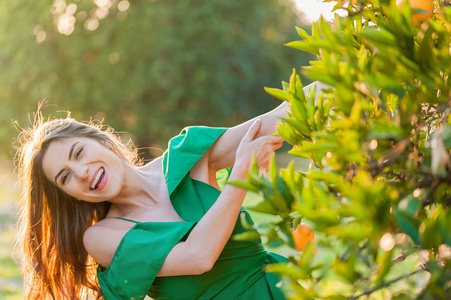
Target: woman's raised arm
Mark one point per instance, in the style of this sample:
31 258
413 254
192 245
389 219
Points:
222 154
207 240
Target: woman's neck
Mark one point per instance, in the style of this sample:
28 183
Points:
141 188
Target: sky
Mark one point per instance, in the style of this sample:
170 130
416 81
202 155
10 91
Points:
315 8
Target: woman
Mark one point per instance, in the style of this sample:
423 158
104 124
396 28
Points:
161 229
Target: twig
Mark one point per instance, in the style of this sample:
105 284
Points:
385 284
394 261
434 184
403 256
392 154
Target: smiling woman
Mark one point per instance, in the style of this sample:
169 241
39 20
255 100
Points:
83 191
95 220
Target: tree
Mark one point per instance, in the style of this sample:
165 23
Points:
378 192
148 67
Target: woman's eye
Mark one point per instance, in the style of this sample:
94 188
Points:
79 151
64 177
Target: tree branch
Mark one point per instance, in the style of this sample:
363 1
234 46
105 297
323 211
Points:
403 256
385 284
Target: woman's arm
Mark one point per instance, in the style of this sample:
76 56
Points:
207 240
222 154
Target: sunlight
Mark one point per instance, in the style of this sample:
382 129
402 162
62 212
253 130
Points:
314 9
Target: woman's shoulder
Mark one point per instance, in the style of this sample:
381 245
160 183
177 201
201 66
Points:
102 239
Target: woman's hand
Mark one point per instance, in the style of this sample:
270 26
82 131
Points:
261 148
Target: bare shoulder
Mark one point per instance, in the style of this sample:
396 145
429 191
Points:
102 239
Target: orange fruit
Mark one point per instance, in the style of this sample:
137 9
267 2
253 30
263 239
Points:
427 5
302 235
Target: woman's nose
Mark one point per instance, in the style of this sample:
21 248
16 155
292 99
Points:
82 172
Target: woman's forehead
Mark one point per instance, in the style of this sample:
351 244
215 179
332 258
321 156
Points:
58 152
61 144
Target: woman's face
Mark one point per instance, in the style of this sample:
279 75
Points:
84 168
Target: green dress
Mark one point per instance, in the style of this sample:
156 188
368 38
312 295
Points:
238 272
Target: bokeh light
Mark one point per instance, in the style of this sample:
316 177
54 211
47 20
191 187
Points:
91 24
123 5
387 242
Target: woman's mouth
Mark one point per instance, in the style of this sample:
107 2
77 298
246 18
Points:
99 181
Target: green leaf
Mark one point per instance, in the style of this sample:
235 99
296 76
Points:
326 218
410 205
326 31
284 191
385 130
334 180
254 180
447 136
345 269
432 237
263 207
292 178
246 221
285 86
299 88
273 171
384 266
296 222
300 45
246 236
320 75
297 107
292 87
379 36
254 168
408 224
303 34
244 184
425 51
311 106
300 127
280 94
307 257
285 229
354 230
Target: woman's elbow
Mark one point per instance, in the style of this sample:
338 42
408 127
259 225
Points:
204 265
202 262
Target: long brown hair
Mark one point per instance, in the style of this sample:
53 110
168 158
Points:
51 223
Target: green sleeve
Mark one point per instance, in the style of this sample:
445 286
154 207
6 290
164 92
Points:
139 257
185 150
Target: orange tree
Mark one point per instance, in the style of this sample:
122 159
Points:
378 192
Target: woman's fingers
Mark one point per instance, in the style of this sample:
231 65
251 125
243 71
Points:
273 141
277 140
260 148
266 149
252 131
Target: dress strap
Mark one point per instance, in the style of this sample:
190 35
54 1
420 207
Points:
127 220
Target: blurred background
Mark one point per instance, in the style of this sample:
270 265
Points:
147 68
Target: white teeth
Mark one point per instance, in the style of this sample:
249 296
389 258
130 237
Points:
94 183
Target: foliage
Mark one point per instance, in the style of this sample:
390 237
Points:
378 192
10 277
147 67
